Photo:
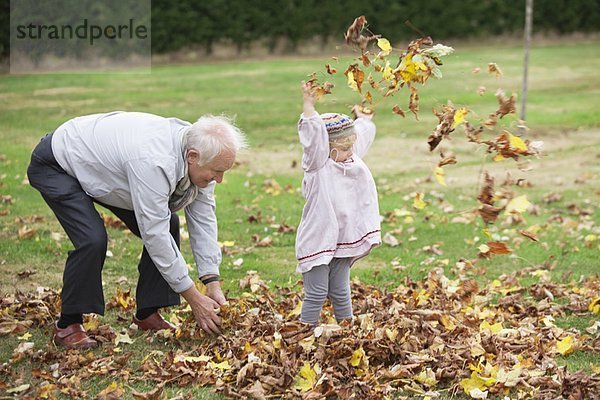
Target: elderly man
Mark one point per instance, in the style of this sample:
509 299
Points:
143 168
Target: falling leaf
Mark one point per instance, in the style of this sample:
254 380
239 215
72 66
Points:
385 46
354 34
451 159
397 110
330 69
494 69
440 175
459 116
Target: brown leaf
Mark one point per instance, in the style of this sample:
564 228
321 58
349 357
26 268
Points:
330 69
507 104
154 394
354 36
413 104
494 69
529 235
397 110
25 232
451 159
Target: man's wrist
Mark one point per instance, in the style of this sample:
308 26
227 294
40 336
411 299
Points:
210 279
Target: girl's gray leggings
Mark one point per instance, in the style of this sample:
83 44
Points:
324 281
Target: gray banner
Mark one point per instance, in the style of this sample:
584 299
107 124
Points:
80 36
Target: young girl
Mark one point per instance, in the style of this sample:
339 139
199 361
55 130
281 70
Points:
340 221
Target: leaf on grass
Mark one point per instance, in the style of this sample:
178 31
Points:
517 205
566 345
113 391
306 378
418 201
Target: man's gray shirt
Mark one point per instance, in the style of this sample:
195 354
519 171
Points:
133 161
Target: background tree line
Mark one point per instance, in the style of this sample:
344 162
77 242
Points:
203 24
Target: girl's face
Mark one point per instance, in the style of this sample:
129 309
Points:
339 154
341 149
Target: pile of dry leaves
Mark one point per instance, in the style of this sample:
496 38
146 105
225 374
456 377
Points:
427 338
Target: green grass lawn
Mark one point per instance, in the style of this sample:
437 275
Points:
265 97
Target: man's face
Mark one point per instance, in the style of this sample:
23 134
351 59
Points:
201 176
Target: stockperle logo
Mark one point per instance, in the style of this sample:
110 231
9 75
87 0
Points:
80 36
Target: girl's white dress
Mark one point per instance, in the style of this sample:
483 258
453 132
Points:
341 215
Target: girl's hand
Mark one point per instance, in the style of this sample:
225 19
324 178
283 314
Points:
310 98
361 112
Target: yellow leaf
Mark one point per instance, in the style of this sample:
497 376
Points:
277 340
447 322
510 378
499 157
391 334
566 346
25 336
516 142
384 45
351 81
427 377
497 327
296 311
596 369
388 72
113 391
517 205
306 378
418 201
459 116
476 383
594 306
223 366
357 357
439 175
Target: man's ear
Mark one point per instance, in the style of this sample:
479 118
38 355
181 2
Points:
192 156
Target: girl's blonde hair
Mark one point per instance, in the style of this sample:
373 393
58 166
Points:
343 143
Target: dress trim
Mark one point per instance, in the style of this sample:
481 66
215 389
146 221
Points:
339 244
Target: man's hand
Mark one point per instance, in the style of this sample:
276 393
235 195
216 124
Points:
203 308
213 290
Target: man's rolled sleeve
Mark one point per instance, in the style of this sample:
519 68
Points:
201 220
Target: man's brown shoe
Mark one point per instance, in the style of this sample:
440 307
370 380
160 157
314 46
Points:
155 322
73 337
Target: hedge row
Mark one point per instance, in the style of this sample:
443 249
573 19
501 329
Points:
204 23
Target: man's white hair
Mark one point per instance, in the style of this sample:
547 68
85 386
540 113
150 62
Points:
212 134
